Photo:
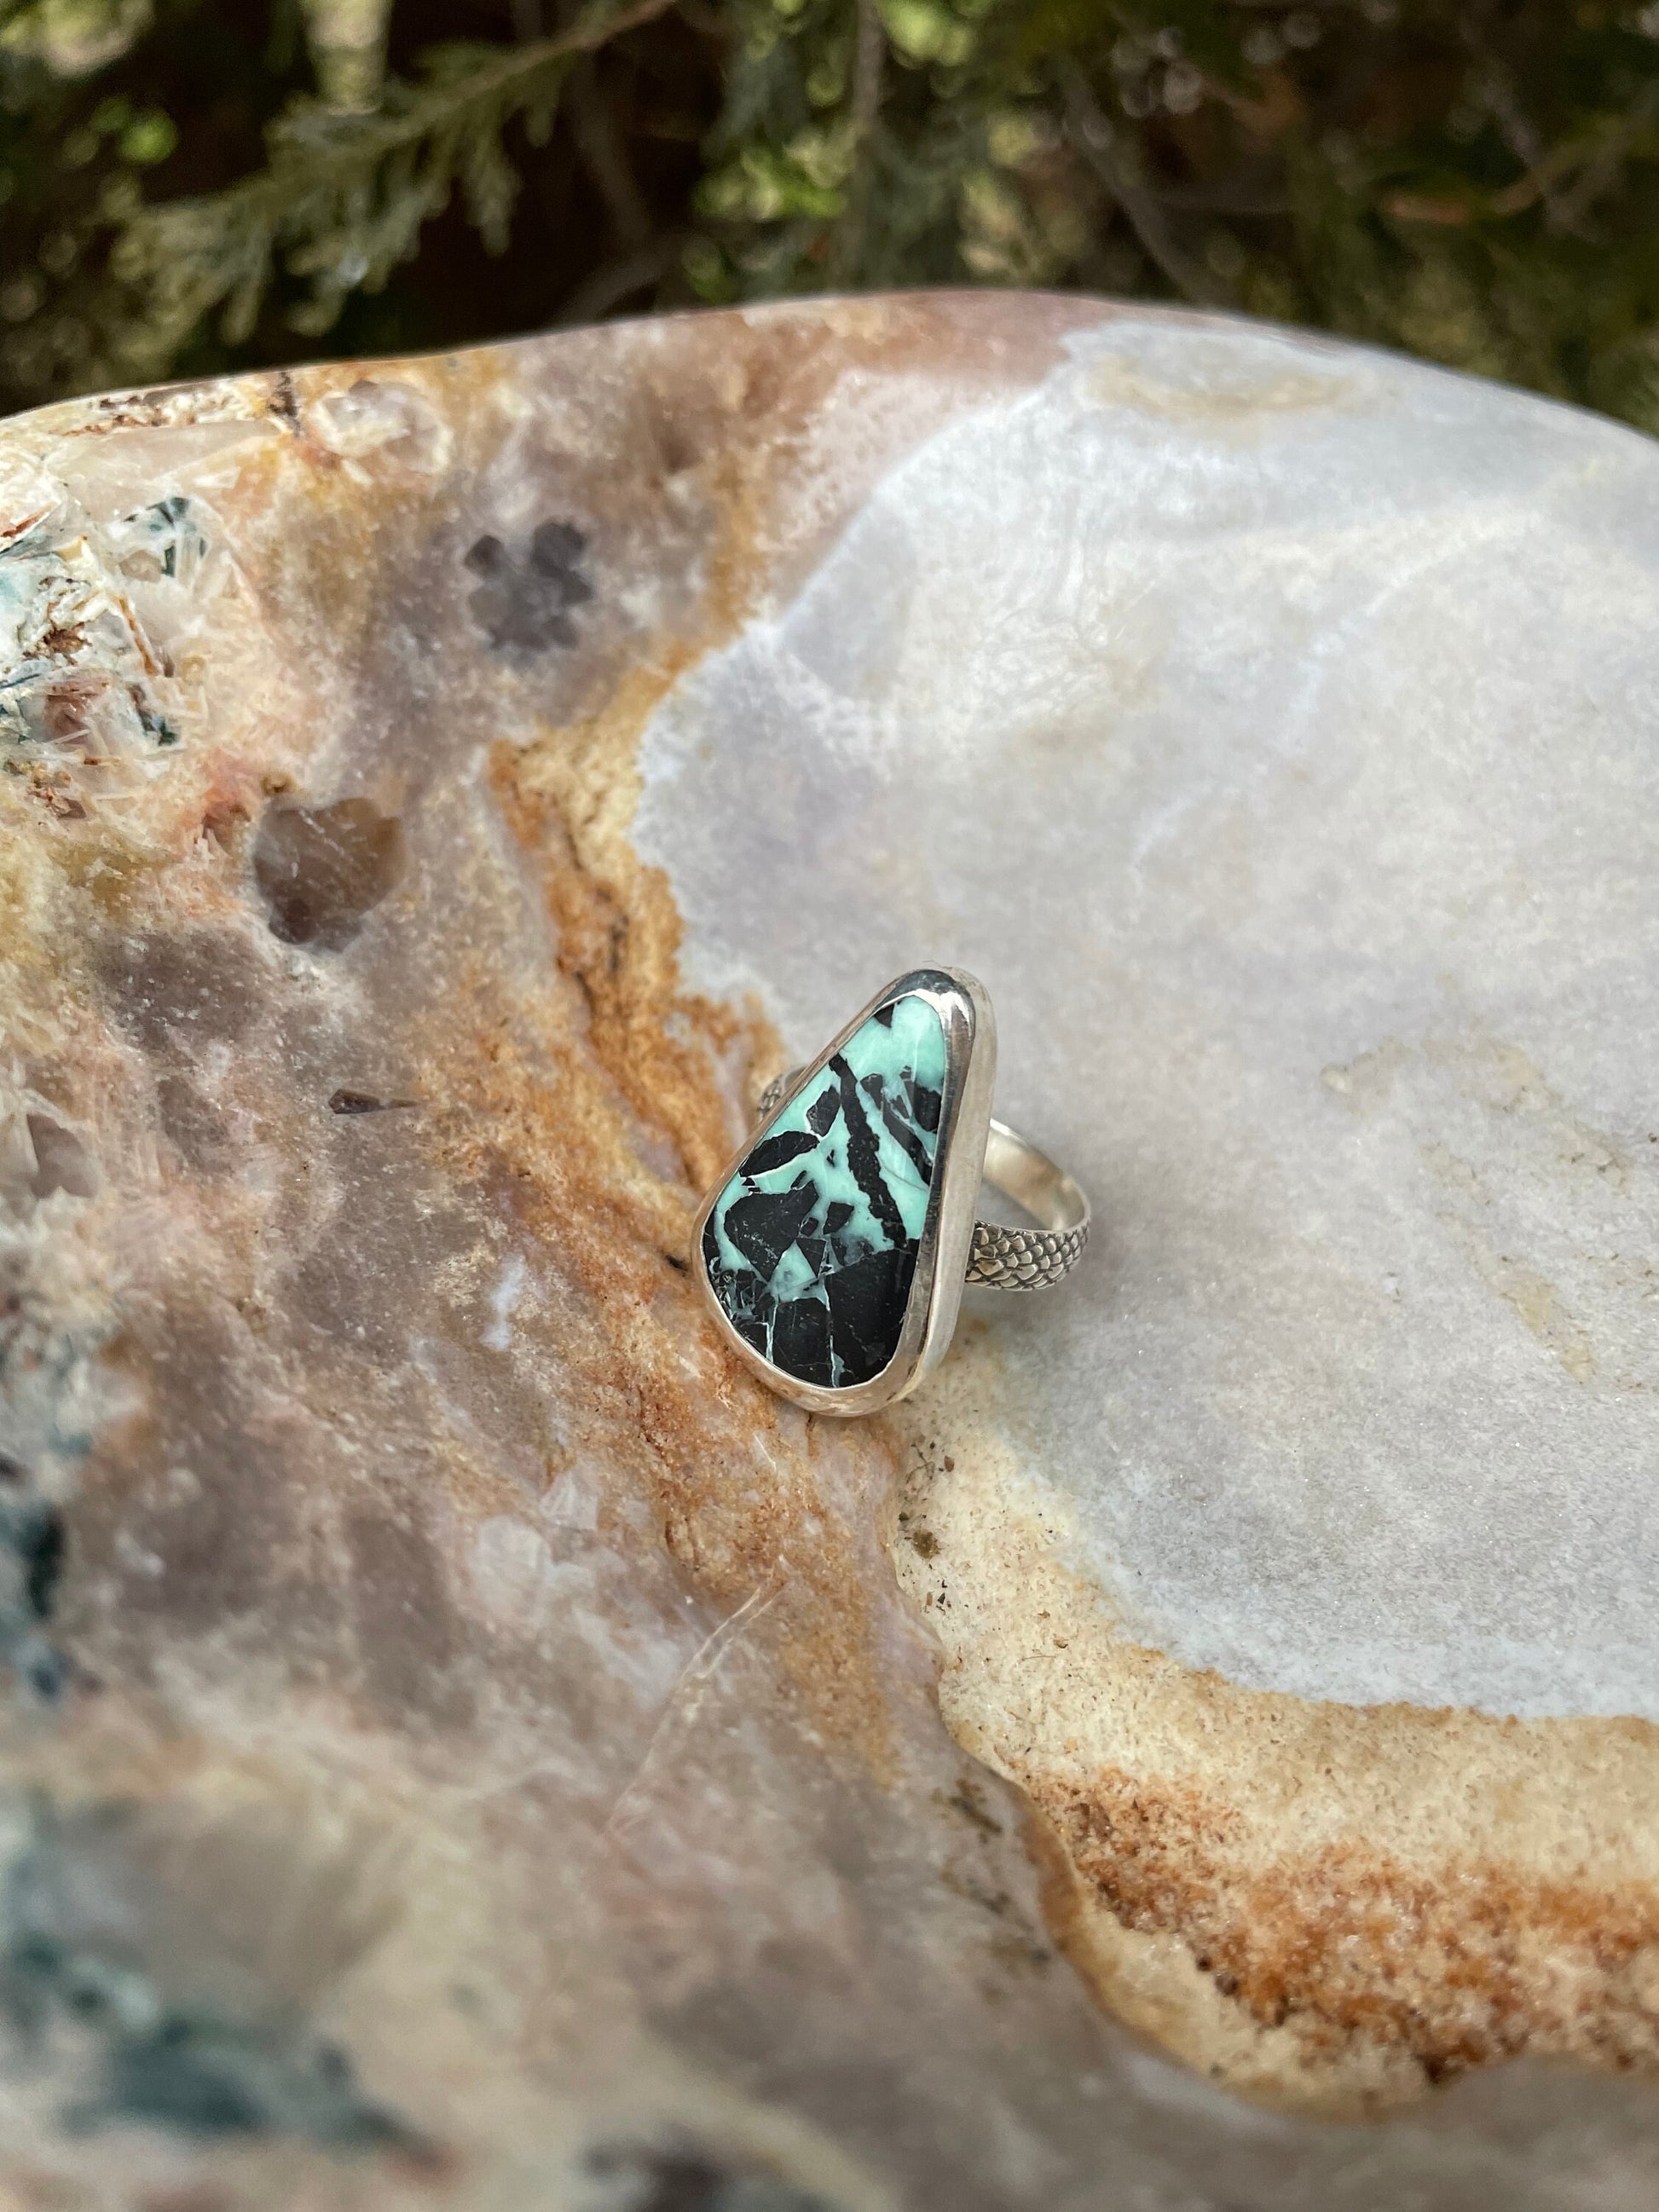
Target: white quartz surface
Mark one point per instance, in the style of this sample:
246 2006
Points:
1275 726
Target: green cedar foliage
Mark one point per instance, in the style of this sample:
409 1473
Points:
183 187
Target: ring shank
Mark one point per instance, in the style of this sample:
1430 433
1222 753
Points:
1015 1167
1009 1259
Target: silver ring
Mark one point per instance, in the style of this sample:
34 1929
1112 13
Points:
836 1244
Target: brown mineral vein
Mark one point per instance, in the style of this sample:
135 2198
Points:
571 797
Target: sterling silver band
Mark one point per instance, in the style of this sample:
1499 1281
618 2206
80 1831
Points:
1003 1257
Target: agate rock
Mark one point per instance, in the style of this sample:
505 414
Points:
466 1743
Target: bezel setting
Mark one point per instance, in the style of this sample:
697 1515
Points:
964 1008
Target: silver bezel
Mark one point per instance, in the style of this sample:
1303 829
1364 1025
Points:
964 1007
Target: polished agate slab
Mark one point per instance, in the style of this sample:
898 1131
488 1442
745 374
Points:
469 1741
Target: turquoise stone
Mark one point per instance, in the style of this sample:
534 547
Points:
810 1249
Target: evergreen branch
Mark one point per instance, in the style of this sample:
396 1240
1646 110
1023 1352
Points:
1091 135
344 198
604 156
607 287
869 69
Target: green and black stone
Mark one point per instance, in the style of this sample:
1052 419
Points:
810 1249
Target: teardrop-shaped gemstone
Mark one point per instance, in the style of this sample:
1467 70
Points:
810 1249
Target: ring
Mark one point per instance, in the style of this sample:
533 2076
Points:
836 1245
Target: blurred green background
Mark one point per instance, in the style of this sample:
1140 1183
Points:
189 186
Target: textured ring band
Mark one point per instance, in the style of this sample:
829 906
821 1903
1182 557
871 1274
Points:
1010 1259
835 1246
